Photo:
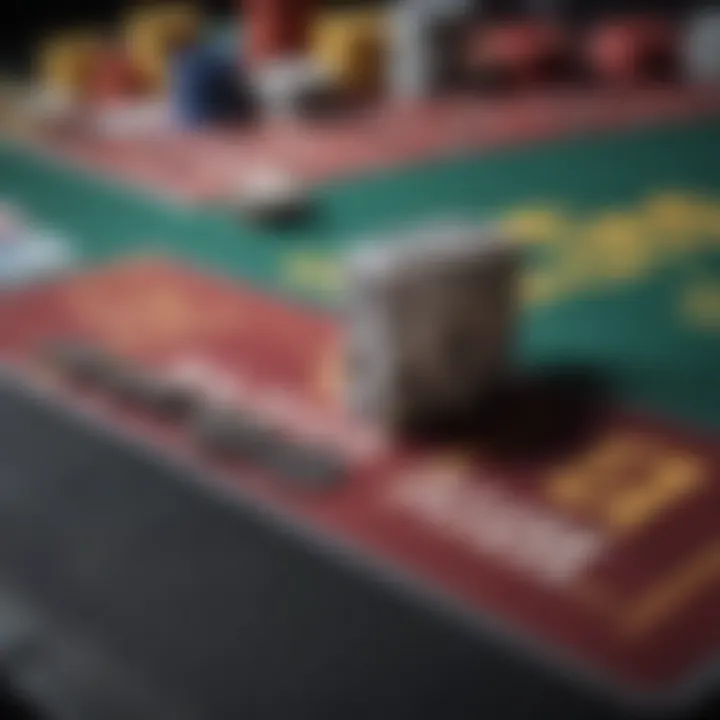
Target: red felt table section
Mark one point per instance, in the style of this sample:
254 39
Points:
210 165
642 610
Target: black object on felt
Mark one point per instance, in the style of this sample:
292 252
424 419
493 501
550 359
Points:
281 213
124 381
164 397
308 466
238 435
79 360
232 433
185 606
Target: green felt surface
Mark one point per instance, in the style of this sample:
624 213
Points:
634 312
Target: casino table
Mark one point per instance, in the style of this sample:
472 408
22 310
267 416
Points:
154 566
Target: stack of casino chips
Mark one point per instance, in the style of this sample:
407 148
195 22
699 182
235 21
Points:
293 86
205 87
276 29
630 50
65 61
351 45
516 54
285 79
701 47
422 39
152 34
112 77
226 38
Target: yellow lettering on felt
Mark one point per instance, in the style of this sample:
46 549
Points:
621 248
535 225
313 272
700 305
669 595
621 245
679 221
579 265
713 229
540 287
626 481
668 481
618 246
583 483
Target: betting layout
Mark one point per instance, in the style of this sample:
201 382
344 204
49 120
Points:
564 552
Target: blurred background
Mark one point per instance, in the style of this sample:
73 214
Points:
25 23
622 255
